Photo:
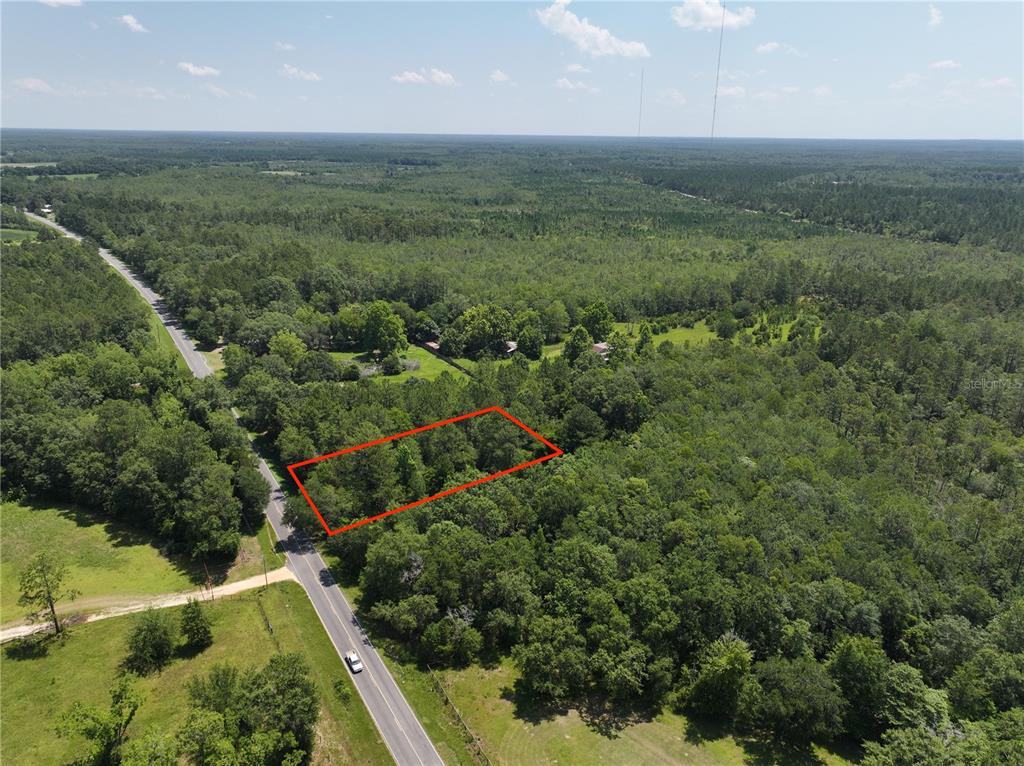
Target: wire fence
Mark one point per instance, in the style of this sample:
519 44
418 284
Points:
475 743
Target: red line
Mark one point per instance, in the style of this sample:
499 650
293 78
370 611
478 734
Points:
528 430
439 495
391 438
556 452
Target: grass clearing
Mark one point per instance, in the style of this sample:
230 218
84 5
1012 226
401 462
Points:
429 365
485 697
17 235
698 335
251 554
37 689
215 358
109 563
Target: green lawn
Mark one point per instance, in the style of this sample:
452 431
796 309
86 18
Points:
251 553
16 235
485 698
215 359
110 564
436 717
430 366
697 335
36 690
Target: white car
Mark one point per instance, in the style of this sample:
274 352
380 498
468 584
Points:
354 663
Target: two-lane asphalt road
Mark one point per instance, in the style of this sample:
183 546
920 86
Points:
402 732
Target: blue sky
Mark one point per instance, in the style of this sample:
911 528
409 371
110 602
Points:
809 69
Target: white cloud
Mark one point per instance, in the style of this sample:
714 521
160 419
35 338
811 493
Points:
672 97
945 64
909 80
93 25
424 77
577 69
999 82
197 70
294 73
59 3
34 85
733 91
934 16
441 77
409 78
766 95
132 23
790 89
822 90
587 37
708 14
214 90
498 76
564 83
284 46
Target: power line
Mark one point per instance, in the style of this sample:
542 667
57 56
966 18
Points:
718 71
640 117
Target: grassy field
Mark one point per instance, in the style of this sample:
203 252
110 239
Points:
107 561
697 335
37 689
110 564
249 561
485 697
16 235
430 366
215 359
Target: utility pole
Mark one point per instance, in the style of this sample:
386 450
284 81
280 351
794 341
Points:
266 579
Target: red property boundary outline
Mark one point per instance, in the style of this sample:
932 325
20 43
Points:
555 452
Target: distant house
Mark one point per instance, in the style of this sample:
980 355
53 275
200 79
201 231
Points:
601 349
510 347
46 209
432 345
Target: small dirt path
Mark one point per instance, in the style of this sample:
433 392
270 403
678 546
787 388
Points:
156 602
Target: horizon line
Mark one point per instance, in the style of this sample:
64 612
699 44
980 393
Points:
591 136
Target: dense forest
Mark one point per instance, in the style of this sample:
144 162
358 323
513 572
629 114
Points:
809 527
96 413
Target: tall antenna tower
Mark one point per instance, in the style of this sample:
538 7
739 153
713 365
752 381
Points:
718 71
640 116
